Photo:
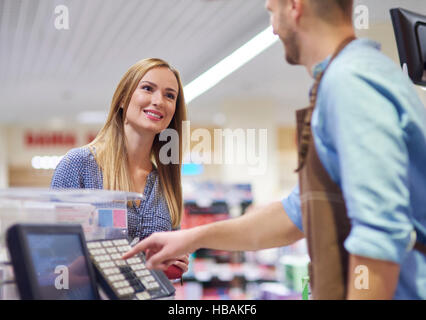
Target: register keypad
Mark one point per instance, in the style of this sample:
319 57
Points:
129 279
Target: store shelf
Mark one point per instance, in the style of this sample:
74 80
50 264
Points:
215 274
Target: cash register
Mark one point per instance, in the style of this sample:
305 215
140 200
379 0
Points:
55 262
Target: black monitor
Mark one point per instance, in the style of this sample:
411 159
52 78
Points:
410 34
51 262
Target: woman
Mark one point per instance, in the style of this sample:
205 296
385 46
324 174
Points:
125 155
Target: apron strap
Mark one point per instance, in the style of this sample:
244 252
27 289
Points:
306 131
420 247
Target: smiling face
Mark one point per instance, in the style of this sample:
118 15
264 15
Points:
153 102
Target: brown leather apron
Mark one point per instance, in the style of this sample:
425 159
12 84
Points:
325 221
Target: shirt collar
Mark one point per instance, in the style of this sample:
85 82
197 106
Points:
320 67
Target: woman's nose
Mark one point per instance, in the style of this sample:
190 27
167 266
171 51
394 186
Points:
157 98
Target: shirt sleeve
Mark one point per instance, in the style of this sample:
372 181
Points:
291 206
365 122
67 174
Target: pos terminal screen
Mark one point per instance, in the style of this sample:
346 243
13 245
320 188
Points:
60 266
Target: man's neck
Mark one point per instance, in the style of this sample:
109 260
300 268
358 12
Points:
318 46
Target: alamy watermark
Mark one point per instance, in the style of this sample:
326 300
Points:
62 17
62 281
361 17
226 146
361 281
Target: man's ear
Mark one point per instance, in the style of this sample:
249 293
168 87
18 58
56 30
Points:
297 8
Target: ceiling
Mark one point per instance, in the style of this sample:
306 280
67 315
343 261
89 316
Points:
48 74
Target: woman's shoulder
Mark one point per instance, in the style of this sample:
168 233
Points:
78 159
79 155
77 169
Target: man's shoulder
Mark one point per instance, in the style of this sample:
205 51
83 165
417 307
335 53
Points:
363 58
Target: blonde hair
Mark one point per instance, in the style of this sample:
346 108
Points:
109 147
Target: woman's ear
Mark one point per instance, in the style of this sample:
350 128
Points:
121 112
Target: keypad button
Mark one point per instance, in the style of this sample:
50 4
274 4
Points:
151 286
125 269
115 256
117 285
143 295
107 264
111 271
120 242
134 282
120 263
142 273
125 291
116 277
95 252
121 284
111 250
124 248
129 276
122 293
129 290
92 245
98 258
101 258
139 287
134 260
125 283
107 243
136 267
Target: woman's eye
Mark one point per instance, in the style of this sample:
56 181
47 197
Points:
170 96
147 88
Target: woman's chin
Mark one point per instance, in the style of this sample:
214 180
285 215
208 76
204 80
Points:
150 129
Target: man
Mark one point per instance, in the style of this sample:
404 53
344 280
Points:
360 201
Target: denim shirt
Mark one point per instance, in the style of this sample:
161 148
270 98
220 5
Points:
369 128
79 170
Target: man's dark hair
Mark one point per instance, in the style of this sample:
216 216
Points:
328 9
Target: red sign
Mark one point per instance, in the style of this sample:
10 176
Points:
50 139
55 139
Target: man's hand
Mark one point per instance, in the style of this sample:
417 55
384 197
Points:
163 249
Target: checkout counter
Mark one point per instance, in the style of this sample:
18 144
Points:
68 245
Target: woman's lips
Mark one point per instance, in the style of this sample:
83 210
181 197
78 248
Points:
153 115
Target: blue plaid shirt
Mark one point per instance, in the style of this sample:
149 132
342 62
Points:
369 128
78 170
